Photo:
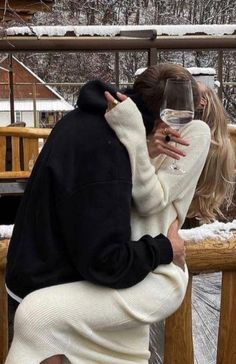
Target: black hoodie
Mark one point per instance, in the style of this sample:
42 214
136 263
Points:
74 219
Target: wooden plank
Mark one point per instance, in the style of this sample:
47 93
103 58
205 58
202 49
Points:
232 134
178 333
211 255
15 144
152 56
14 175
22 43
2 153
33 151
3 303
226 350
25 132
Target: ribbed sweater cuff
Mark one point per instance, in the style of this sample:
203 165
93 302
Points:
165 249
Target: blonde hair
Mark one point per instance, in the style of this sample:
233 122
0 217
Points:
215 185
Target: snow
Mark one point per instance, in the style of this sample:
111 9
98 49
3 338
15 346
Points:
41 105
139 71
202 70
113 30
6 231
193 70
216 230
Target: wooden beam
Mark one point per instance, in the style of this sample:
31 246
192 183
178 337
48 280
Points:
220 73
95 43
25 132
179 347
11 89
152 56
32 5
211 255
226 350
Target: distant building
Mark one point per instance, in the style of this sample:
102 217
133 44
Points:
50 106
205 75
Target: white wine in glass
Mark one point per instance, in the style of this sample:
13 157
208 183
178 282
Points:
177 108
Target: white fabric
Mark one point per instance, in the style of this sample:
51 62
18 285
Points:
159 197
96 325
13 295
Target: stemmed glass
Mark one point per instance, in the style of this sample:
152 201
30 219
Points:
177 108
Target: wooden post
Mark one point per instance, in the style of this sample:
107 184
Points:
220 73
178 333
117 69
3 303
34 105
226 349
152 56
11 89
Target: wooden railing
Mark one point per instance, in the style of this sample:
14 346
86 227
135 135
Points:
205 256
24 147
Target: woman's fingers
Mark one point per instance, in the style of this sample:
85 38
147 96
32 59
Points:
112 101
174 136
121 96
157 145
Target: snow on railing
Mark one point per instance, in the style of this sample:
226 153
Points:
115 30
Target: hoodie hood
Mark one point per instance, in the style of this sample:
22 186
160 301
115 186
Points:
92 99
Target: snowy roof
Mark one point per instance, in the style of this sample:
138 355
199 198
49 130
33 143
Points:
193 70
38 78
114 30
202 71
41 105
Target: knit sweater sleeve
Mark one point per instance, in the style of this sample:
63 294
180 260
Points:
153 191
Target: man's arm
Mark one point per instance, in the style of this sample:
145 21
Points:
95 226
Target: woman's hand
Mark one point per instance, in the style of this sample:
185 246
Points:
158 142
111 101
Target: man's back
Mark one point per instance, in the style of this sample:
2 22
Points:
80 151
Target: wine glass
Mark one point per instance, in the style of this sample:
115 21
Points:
177 108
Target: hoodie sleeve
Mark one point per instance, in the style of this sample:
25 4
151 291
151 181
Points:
95 223
153 191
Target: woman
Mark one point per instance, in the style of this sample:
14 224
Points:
49 322
214 187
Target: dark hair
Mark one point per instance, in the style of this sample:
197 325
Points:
151 83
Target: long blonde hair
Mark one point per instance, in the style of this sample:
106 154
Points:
215 185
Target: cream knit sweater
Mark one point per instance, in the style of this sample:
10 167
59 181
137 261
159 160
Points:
90 324
159 195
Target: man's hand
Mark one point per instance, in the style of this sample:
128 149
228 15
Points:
177 244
